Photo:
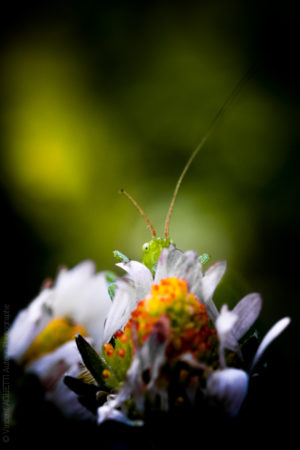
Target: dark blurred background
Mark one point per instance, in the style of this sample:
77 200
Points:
98 96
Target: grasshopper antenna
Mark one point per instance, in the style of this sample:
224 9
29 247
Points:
211 127
150 226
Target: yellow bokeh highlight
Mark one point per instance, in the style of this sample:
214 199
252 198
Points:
45 136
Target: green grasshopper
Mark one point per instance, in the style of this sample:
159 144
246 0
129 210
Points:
151 250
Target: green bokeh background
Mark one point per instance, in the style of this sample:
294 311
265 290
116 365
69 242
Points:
102 96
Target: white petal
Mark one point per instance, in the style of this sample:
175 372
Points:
69 286
247 310
190 269
167 263
51 369
174 263
83 295
66 353
109 411
68 403
212 278
94 307
125 301
150 356
190 359
28 324
186 266
140 275
275 331
225 322
81 272
224 326
227 388
153 351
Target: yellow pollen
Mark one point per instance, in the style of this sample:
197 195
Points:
163 295
58 331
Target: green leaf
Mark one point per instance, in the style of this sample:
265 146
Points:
80 387
95 363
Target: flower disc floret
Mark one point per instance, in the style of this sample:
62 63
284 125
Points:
191 328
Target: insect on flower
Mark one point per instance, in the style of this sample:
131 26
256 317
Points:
166 344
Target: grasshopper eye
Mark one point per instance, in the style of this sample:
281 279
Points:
146 247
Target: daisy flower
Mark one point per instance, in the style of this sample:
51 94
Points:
41 338
167 344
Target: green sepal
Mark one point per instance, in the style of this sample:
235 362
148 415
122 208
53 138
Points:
95 364
120 257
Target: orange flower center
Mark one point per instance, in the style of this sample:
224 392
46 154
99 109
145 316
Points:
191 328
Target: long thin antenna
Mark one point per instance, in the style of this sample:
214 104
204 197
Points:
150 226
212 125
